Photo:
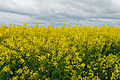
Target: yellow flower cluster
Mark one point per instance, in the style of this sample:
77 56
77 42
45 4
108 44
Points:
52 53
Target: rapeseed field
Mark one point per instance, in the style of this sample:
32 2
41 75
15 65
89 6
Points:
51 53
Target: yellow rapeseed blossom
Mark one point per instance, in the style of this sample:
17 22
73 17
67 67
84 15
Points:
19 71
83 65
6 69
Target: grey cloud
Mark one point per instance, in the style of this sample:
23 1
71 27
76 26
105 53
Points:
57 12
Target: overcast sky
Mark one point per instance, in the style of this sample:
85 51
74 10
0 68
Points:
58 12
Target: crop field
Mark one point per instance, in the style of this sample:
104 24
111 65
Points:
52 53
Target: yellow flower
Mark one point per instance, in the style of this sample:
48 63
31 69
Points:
103 71
25 24
15 78
47 78
19 71
25 68
83 65
80 59
35 75
22 60
27 54
37 23
6 69
11 72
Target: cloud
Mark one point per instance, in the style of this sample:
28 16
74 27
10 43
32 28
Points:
58 12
